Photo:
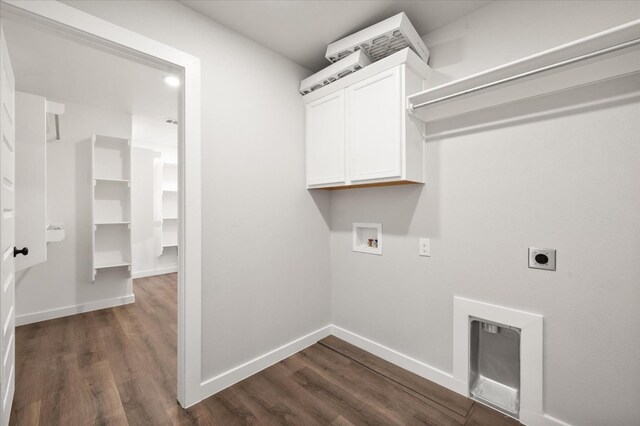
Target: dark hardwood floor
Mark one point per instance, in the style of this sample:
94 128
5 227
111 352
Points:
118 366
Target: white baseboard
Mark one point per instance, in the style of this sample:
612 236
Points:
156 271
430 373
531 418
74 309
236 374
418 367
230 377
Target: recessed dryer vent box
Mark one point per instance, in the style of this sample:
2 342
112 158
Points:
367 238
494 365
342 68
380 40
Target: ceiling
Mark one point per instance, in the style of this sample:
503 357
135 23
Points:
64 69
300 30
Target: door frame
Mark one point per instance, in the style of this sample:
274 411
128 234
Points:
118 40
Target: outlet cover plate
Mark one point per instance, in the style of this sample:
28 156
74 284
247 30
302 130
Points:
542 258
424 247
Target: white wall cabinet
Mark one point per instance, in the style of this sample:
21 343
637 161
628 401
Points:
359 132
375 136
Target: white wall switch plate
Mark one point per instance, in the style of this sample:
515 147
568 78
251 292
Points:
424 248
542 258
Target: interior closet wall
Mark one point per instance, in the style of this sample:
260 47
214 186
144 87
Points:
265 238
62 285
145 259
567 181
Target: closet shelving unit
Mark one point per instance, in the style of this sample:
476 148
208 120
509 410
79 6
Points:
169 182
111 207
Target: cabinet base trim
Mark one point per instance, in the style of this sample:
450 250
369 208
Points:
371 185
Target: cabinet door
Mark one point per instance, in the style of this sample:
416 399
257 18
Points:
375 134
326 140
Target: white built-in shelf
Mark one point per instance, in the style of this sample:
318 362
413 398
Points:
101 179
111 203
169 185
112 157
169 234
55 233
599 57
111 265
111 207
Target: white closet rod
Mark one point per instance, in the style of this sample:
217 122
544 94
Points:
550 67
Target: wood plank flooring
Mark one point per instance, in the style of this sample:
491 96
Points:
117 366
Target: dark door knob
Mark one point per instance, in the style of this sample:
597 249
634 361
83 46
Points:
24 251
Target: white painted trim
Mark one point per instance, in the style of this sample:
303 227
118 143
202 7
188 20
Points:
537 419
546 420
241 372
531 354
153 272
136 46
73 310
401 360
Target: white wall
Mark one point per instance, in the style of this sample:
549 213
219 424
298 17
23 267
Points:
154 133
567 181
265 239
64 280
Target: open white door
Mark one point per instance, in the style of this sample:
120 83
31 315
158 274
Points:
7 231
30 178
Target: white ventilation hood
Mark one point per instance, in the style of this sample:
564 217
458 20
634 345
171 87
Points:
380 40
333 72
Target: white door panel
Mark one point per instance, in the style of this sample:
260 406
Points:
31 178
375 136
326 140
7 231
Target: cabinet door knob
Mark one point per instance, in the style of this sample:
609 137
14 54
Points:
24 251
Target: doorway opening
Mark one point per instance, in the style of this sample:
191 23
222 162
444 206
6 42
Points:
112 212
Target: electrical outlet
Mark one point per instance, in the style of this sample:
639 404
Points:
424 248
541 258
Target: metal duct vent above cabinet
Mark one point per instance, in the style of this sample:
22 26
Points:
380 40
